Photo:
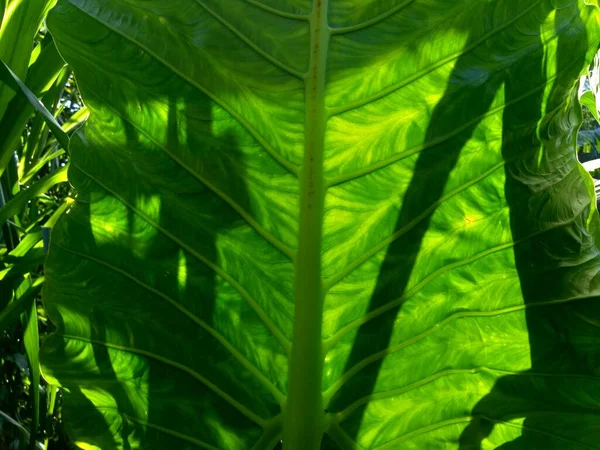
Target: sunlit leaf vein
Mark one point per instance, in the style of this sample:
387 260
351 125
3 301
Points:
213 332
435 142
290 253
436 328
292 168
394 87
333 280
279 337
392 445
251 44
330 342
237 405
345 414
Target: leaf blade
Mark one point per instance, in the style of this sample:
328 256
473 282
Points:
445 180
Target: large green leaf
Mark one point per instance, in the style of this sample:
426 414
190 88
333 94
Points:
361 219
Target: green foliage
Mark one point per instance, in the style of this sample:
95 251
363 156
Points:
33 192
22 21
345 224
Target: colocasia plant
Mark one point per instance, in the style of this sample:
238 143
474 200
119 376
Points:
327 224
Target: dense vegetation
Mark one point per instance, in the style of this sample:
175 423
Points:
33 193
336 224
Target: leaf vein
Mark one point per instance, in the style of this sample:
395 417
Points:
333 280
283 341
390 350
212 331
434 143
341 438
287 251
445 423
290 167
371 22
343 415
171 432
391 445
237 405
536 430
251 44
394 87
330 342
277 12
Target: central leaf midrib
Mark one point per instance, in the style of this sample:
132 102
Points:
304 420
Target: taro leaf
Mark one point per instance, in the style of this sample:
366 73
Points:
361 219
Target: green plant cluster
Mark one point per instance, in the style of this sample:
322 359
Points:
33 194
299 225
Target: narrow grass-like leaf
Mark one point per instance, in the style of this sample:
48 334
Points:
31 341
8 77
22 20
18 202
10 315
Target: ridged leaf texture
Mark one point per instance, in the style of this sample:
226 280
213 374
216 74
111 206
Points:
340 223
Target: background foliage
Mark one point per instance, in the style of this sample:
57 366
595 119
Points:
33 194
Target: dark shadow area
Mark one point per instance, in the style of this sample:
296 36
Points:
151 286
541 262
563 339
145 367
206 218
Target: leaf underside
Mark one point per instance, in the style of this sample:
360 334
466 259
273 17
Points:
458 269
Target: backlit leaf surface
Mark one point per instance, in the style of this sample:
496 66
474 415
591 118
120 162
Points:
362 219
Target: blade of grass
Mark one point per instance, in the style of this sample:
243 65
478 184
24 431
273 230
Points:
38 138
13 311
23 264
76 120
26 177
20 427
31 340
18 202
51 399
8 77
